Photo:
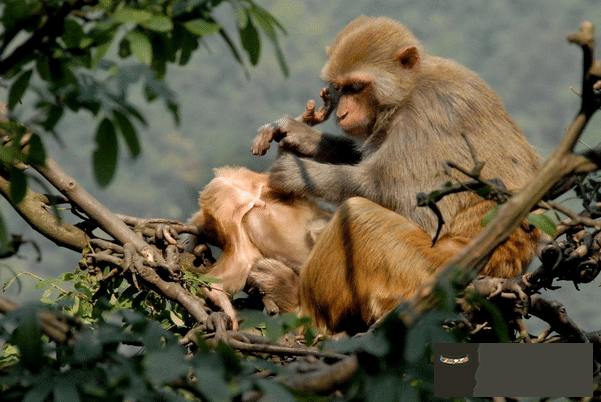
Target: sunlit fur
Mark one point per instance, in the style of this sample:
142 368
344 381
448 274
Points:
264 237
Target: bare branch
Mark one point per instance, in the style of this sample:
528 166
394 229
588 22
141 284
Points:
34 209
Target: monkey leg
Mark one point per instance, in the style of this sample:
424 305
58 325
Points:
220 299
277 283
367 260
512 257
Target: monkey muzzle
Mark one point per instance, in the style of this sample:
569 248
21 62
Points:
455 360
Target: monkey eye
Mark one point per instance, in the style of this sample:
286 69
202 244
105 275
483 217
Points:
353 88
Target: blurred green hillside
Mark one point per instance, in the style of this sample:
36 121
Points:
519 47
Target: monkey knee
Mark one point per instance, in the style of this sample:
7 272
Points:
277 283
357 202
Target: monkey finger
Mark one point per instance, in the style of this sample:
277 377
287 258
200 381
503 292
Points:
308 115
325 94
268 133
262 141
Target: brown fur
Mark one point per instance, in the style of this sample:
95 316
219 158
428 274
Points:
251 223
369 259
411 110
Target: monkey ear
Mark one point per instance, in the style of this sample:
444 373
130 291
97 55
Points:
408 57
328 51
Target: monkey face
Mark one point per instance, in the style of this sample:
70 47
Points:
357 106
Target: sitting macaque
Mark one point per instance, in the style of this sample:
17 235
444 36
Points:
264 237
412 112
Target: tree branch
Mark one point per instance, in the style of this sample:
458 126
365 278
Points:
107 220
34 210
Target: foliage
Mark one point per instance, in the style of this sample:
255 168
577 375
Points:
134 360
62 54
125 349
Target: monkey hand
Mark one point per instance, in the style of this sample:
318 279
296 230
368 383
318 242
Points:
311 117
293 135
267 133
300 139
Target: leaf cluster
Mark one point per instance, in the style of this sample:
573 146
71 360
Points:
126 349
88 55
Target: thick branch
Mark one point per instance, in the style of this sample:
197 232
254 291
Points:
115 227
34 210
325 380
107 220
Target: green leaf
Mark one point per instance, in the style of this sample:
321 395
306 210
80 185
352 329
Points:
106 4
271 325
275 391
124 48
376 345
72 33
544 223
37 153
46 282
100 51
28 338
65 390
18 88
232 46
159 23
140 46
176 319
489 216
229 358
416 341
174 108
267 24
407 392
166 365
189 43
43 67
281 60
249 37
87 348
105 155
264 22
132 15
18 184
129 133
202 27
55 113
41 388
7 154
4 246
383 388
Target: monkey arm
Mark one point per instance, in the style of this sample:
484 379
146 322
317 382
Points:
303 140
308 178
333 149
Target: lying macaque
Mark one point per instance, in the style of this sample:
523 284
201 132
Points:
265 238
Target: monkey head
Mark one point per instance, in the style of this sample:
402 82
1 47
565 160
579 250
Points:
372 63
